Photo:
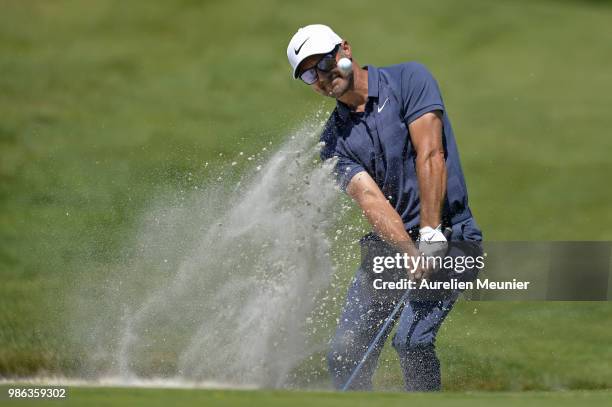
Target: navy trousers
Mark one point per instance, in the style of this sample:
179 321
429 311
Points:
364 313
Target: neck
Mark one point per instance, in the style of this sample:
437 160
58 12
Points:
357 96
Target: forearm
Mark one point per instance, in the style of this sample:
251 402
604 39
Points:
426 134
431 175
384 219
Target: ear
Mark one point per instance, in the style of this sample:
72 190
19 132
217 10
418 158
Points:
345 50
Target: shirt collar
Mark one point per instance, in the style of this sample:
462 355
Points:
344 110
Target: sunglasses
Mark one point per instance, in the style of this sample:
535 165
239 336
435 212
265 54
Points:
325 64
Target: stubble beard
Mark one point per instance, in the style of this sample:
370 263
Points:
344 85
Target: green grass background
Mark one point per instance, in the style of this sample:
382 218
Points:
163 397
106 104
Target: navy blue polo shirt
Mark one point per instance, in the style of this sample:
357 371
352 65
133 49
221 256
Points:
378 140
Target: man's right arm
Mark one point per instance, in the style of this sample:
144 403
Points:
382 216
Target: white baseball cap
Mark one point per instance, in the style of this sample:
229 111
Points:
310 40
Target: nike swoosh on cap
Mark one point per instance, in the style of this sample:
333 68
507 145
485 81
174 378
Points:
297 51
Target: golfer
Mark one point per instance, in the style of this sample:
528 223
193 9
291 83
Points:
396 156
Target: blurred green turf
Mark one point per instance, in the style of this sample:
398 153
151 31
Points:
162 397
106 104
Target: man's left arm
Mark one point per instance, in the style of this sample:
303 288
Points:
426 136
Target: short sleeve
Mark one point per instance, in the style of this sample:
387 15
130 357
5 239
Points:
345 170
345 167
420 92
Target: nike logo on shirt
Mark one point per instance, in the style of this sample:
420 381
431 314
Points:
380 108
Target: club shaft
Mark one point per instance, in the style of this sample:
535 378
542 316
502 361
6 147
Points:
376 340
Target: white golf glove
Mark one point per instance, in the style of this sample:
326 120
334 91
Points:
432 241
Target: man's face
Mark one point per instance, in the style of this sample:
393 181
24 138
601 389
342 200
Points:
331 83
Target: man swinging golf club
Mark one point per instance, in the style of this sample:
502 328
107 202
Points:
396 156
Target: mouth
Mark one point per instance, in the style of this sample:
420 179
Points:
332 83
334 79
